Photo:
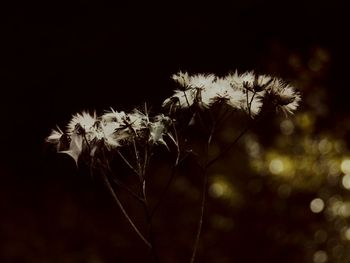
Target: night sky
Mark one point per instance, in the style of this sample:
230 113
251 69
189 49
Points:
58 58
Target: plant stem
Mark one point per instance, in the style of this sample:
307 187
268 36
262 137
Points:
150 225
116 199
204 194
210 163
128 190
200 223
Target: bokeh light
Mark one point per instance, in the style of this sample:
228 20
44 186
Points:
317 205
345 166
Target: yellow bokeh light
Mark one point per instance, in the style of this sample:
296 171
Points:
287 127
317 205
344 209
347 234
276 166
324 146
217 189
346 181
320 256
345 166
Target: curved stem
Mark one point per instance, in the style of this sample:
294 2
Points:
127 163
128 190
204 194
149 222
116 199
228 148
200 223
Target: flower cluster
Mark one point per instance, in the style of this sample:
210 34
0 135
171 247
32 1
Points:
112 130
240 91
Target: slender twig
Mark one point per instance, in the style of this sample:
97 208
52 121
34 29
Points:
250 104
173 172
120 183
204 194
116 199
228 148
188 103
127 162
128 190
149 219
167 186
137 156
200 222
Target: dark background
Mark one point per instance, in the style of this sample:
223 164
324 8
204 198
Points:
62 57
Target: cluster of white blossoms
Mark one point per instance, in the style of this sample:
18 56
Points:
112 130
240 91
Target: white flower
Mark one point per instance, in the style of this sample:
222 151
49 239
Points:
83 123
250 81
194 87
114 116
75 147
158 128
181 98
218 90
182 78
251 103
136 120
284 97
55 136
112 134
237 81
201 81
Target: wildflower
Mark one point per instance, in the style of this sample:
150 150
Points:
217 91
158 128
59 139
284 97
75 147
181 99
55 136
240 81
114 116
110 134
201 81
83 123
251 103
136 120
193 88
182 78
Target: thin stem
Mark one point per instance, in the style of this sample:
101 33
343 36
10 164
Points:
150 225
127 162
143 171
172 175
128 190
228 148
167 186
250 104
137 159
204 194
120 183
200 223
116 199
188 103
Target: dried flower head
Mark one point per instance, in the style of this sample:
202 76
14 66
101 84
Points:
284 97
83 123
158 129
